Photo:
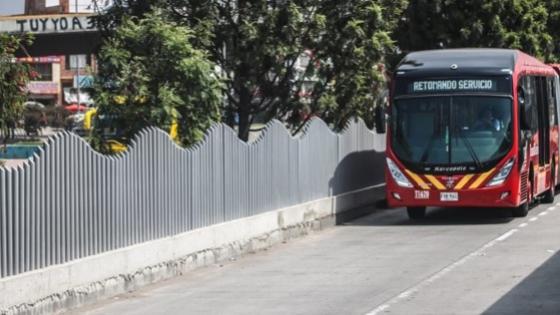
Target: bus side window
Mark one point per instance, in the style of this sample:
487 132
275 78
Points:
557 98
531 99
552 101
543 119
523 103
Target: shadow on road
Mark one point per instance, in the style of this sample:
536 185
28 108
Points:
437 216
356 171
539 293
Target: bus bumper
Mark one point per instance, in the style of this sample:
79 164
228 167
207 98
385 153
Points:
501 197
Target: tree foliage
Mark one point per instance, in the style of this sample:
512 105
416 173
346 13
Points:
289 60
260 45
14 77
350 53
150 75
553 27
522 24
292 60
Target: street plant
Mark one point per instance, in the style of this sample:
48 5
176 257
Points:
14 77
151 75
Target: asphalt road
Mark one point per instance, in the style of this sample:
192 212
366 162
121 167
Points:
456 261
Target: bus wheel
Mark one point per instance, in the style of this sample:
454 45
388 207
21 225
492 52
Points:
548 196
416 213
521 211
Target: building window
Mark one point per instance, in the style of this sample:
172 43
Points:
74 62
52 3
44 70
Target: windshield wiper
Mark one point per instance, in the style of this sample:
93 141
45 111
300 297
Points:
470 149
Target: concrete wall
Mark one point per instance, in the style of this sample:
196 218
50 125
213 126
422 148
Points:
85 281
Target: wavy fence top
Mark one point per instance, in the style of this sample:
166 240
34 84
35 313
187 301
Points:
274 128
69 201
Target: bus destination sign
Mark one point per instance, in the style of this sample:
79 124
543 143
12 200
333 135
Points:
453 85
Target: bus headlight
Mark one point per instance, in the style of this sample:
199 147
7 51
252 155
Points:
397 175
499 178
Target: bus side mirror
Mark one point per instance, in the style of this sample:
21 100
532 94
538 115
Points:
380 120
525 110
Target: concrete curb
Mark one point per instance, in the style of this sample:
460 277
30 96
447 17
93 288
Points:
86 281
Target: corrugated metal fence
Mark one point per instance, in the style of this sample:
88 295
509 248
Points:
70 202
16 133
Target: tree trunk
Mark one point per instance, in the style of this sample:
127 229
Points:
244 125
244 114
229 118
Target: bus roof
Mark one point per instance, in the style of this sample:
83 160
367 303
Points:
465 61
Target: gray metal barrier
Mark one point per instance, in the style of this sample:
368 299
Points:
69 201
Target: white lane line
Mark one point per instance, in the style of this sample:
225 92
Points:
551 208
506 235
416 288
533 219
522 225
543 213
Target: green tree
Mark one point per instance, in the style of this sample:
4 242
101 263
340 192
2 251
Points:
14 77
260 45
553 26
351 53
520 24
150 75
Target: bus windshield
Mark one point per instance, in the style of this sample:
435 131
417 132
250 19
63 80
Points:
451 130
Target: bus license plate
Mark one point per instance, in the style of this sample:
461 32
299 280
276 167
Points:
449 196
421 194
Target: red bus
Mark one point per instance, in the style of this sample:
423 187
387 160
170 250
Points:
472 128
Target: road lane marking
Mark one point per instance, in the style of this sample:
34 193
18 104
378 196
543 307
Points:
551 208
543 213
533 219
507 235
416 288
522 225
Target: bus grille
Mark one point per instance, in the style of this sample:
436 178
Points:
523 191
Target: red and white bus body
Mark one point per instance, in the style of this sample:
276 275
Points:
440 95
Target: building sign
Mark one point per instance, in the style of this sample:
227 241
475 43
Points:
39 87
45 24
428 86
85 81
46 59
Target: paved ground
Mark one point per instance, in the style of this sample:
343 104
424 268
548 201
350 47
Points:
457 261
